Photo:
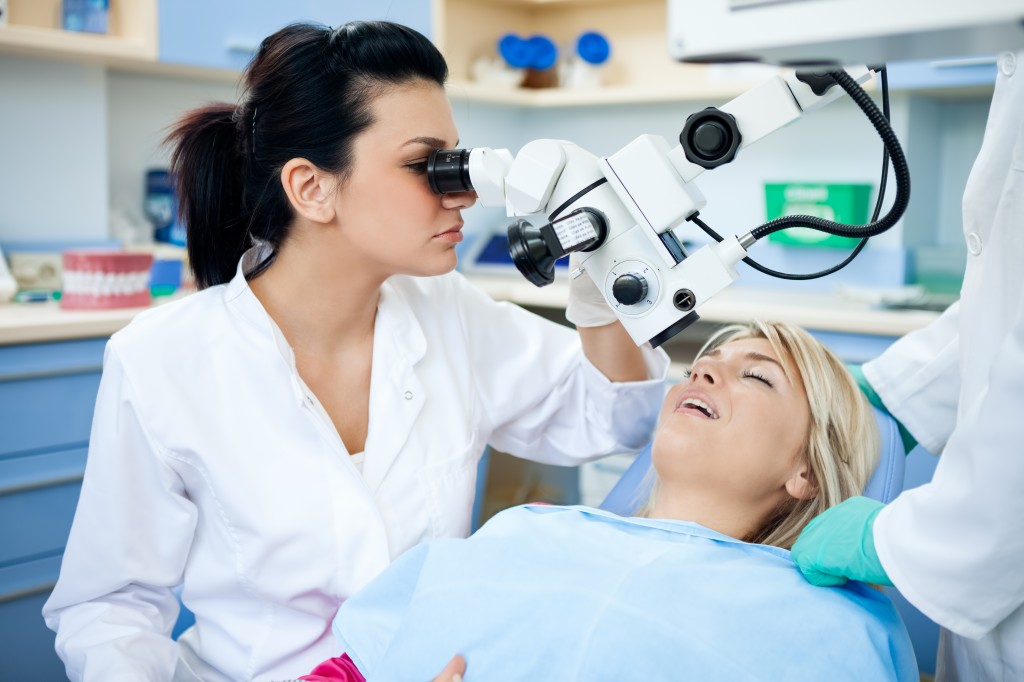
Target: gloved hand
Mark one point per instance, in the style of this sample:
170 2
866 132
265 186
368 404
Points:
909 442
839 544
586 306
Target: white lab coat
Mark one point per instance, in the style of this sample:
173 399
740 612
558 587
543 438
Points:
955 547
212 464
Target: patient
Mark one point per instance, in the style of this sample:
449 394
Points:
767 431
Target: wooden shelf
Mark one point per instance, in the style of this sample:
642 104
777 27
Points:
579 97
639 70
33 29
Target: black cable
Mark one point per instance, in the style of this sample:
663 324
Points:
575 197
900 169
864 240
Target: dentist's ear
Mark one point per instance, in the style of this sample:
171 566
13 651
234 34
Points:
309 190
802 485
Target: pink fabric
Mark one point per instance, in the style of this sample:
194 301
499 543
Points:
335 670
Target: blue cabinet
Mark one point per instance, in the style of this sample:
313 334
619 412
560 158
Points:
224 34
47 392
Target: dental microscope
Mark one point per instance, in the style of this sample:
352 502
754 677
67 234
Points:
619 212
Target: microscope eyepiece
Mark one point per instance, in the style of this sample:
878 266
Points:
448 171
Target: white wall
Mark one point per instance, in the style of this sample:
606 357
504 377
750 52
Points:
53 150
142 108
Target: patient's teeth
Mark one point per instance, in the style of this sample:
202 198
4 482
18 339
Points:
702 406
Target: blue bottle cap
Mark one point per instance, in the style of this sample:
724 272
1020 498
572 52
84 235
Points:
543 52
593 48
514 51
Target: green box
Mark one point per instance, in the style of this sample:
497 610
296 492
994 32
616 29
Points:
842 203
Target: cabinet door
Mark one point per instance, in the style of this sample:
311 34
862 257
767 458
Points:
224 34
943 73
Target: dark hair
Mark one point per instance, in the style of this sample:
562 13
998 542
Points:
308 94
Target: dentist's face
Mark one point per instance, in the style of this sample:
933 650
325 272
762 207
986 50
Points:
387 211
737 428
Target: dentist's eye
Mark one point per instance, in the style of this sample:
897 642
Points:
760 377
417 166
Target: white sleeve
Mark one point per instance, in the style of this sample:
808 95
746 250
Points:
918 379
954 546
113 607
543 399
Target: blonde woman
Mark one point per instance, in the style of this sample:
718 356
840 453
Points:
768 430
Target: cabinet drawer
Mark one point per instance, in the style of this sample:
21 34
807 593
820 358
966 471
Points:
27 643
41 493
47 394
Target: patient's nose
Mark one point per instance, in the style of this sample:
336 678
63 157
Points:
702 372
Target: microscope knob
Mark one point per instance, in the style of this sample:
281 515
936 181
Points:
629 289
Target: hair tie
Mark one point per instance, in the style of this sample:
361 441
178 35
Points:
254 110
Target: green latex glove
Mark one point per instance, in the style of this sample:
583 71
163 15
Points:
909 442
839 544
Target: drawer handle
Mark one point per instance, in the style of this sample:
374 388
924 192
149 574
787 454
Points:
28 591
49 373
34 485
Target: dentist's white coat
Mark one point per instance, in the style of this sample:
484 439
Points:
211 463
955 547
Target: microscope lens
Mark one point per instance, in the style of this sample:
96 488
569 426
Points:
448 171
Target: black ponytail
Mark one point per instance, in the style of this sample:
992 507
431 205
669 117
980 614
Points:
309 91
205 164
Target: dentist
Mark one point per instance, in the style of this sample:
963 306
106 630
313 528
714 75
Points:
272 442
955 546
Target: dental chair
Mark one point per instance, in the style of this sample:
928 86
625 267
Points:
885 484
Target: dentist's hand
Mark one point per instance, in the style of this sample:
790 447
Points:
586 306
839 544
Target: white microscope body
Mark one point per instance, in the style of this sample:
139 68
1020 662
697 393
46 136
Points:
643 191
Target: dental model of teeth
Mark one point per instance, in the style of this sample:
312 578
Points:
105 279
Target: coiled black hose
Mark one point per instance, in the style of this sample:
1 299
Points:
900 170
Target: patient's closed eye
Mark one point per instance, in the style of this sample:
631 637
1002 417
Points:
756 374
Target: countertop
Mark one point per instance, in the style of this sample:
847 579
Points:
821 311
38 322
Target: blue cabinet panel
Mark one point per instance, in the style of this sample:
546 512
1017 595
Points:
47 393
854 348
48 412
27 644
43 514
952 73
224 34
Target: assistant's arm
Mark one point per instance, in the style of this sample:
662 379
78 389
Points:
113 607
918 379
954 546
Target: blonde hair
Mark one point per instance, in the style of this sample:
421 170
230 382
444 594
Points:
842 442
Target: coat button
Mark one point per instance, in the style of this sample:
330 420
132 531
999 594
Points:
1007 63
408 395
974 243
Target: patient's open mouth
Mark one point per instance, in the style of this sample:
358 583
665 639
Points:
700 406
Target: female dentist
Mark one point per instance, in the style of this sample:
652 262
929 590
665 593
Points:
955 547
272 442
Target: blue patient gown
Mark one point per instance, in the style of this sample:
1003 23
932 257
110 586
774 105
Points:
574 593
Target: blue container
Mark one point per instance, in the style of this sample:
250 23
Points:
161 207
89 16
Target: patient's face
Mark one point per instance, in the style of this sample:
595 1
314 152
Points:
736 428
